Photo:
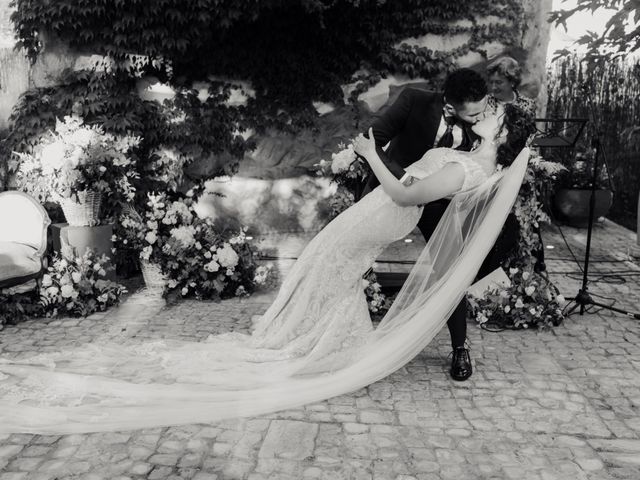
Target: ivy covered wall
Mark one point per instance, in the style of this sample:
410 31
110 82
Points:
264 88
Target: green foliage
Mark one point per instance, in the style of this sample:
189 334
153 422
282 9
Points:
291 52
614 90
621 34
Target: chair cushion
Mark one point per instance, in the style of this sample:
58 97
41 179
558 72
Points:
18 261
22 220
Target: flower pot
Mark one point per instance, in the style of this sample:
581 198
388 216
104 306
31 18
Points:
573 205
152 274
85 212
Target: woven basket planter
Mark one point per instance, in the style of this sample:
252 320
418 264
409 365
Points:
154 279
85 212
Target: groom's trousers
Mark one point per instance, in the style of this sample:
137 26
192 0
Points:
504 246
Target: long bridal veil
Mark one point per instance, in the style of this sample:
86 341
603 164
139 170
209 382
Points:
111 387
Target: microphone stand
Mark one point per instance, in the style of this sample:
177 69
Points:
583 298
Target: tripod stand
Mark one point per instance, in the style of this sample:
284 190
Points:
583 298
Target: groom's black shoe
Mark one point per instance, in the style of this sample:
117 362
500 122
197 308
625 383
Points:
460 364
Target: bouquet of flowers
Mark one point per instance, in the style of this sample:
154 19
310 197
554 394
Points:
197 258
348 172
530 301
377 302
76 286
78 158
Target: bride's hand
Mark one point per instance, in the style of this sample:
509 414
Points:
365 147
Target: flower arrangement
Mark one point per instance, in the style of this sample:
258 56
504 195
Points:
76 158
76 285
198 257
578 170
529 210
377 302
348 172
529 301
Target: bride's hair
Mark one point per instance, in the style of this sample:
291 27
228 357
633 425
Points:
519 125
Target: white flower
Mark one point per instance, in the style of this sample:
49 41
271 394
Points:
102 168
46 280
66 291
513 271
102 272
365 283
52 291
212 266
560 299
151 237
65 280
172 283
198 246
103 298
507 309
227 256
146 252
184 290
341 160
152 224
63 263
529 290
519 303
525 275
52 157
207 254
532 311
76 276
184 235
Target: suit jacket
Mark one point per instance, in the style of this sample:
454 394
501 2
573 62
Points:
411 125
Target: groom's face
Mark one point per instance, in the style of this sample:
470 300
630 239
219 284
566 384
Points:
470 112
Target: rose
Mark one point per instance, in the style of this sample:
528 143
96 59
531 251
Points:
530 289
46 280
342 160
66 291
76 276
151 237
227 256
212 266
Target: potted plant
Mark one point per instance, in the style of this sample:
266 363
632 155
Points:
573 189
180 251
77 165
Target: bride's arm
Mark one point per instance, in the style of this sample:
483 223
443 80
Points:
444 182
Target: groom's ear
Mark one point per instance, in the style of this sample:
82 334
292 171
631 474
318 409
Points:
448 108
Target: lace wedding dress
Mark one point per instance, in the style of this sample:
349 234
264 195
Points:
315 341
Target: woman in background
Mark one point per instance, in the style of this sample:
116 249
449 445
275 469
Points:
505 76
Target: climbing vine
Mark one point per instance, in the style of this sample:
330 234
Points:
291 53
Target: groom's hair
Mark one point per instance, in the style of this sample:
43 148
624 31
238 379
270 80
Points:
464 85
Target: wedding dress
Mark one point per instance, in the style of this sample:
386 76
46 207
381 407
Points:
315 341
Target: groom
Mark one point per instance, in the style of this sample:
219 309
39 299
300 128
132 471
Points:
416 122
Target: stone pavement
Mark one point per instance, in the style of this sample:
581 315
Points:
541 405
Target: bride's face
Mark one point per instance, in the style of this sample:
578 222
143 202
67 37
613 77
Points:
489 126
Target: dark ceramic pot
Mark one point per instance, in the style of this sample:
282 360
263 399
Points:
572 205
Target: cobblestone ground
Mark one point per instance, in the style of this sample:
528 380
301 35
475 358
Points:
560 404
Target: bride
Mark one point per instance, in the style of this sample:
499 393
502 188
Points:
316 339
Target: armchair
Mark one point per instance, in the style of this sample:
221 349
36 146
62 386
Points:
23 240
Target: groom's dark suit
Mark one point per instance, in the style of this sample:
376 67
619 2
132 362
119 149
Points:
411 124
